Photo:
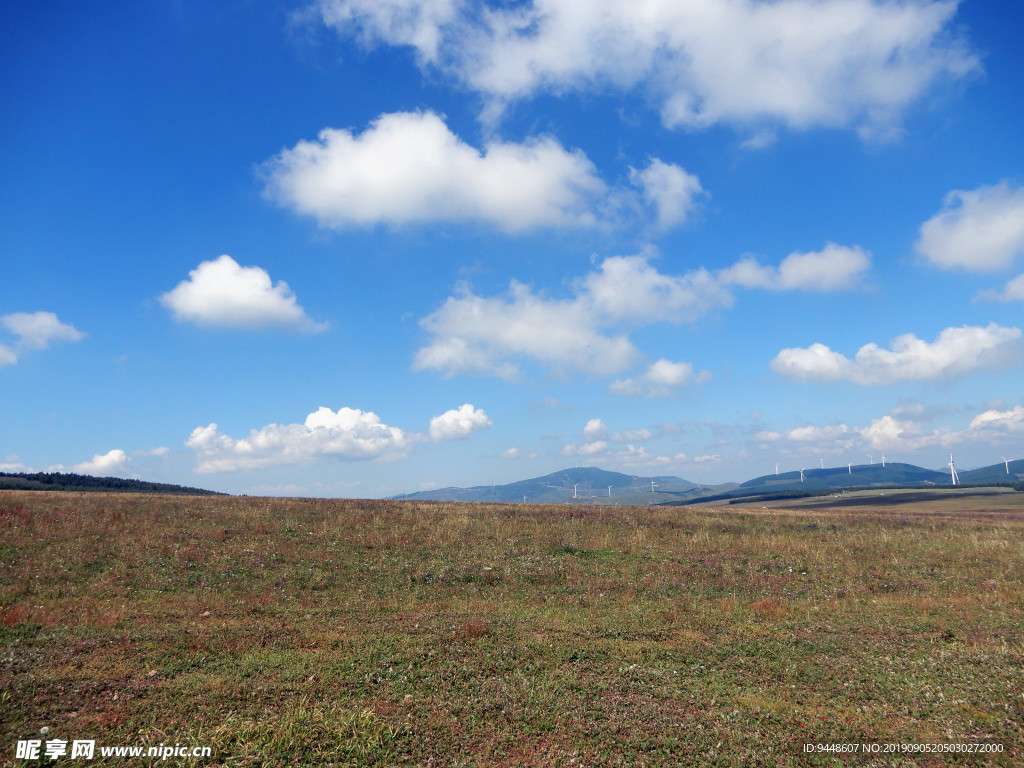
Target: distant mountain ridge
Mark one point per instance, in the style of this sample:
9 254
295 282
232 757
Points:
592 485
584 485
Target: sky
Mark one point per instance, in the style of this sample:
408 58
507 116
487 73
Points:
358 248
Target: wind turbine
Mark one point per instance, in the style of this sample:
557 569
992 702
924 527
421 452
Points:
850 467
652 485
952 471
1005 461
801 475
574 489
871 458
776 469
822 462
609 491
883 461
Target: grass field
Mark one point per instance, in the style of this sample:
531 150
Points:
324 632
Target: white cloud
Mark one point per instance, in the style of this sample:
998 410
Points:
487 336
662 379
595 429
35 330
458 423
979 230
162 450
409 167
993 420
7 355
628 289
713 457
587 449
811 433
511 453
858 63
956 352
1012 291
222 293
415 23
114 463
348 434
834 268
474 335
669 189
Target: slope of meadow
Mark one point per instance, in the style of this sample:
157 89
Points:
328 632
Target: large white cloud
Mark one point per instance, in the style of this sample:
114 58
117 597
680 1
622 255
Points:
458 423
488 336
114 463
663 379
348 434
978 230
409 167
34 330
955 352
223 293
831 62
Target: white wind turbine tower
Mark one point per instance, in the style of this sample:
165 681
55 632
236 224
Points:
776 469
652 485
883 461
952 471
1007 463
822 463
801 475
609 491
849 467
574 489
871 458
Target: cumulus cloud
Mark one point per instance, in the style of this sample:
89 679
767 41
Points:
956 352
994 420
348 435
663 379
978 230
409 167
114 463
595 429
458 423
859 63
477 335
834 268
34 330
223 293
669 190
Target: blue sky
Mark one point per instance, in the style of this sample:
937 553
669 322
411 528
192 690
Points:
359 248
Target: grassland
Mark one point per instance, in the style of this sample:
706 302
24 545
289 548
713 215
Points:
322 632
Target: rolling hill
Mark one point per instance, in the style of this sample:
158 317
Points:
591 485
584 485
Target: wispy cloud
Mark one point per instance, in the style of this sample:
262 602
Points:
34 330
